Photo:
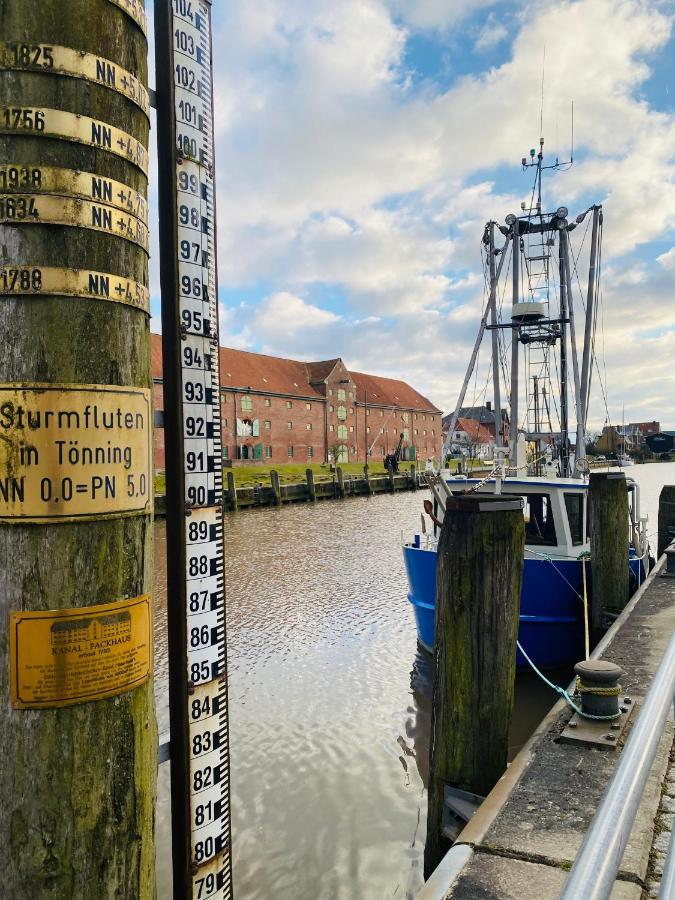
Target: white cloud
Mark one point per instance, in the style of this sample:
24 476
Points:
333 169
492 33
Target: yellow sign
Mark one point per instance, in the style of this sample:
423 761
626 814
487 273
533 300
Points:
76 64
46 209
43 122
63 656
42 280
70 452
20 178
135 9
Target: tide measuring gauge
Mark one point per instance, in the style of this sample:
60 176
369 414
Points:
200 796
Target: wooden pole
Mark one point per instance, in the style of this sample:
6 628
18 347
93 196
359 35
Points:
413 477
478 581
608 533
366 474
276 487
666 524
340 482
311 487
77 782
232 491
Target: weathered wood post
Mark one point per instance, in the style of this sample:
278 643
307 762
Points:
413 477
478 580
311 488
232 491
276 487
666 524
392 479
608 534
78 737
340 482
366 473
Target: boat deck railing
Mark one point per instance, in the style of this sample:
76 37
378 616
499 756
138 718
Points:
596 866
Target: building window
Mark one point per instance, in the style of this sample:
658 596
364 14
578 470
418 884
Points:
381 413
405 418
406 434
246 403
424 432
289 404
268 452
342 454
330 409
351 427
367 412
367 429
330 392
381 451
224 423
415 432
290 452
351 410
226 452
223 398
351 395
310 452
268 424
268 402
342 432
341 413
289 425
415 415
331 427
341 395
308 405
308 426
424 418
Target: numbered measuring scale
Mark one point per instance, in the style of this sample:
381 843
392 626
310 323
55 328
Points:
189 285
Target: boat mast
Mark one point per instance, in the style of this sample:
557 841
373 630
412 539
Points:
580 452
515 339
590 304
564 423
499 425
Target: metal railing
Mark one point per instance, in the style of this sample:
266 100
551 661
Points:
595 868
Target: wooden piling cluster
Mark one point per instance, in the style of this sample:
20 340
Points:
338 487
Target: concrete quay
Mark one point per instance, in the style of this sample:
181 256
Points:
522 841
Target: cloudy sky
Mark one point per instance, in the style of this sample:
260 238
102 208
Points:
361 146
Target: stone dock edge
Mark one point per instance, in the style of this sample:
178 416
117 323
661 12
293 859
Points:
522 841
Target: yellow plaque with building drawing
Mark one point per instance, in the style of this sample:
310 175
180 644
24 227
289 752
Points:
59 657
70 452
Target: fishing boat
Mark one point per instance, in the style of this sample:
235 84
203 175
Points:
539 455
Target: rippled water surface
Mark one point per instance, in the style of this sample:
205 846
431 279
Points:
329 699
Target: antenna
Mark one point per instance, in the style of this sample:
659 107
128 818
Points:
541 108
572 138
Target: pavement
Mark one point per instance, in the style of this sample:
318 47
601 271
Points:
522 841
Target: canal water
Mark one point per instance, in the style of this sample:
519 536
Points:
329 699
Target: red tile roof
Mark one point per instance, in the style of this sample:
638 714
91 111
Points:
476 432
389 392
275 375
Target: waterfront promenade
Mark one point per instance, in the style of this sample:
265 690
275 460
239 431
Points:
524 838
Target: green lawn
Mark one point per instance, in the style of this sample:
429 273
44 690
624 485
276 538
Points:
292 473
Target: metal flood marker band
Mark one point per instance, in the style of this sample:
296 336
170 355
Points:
39 121
57 60
49 209
135 10
200 790
16 178
52 280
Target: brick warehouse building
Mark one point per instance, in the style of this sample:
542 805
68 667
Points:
282 411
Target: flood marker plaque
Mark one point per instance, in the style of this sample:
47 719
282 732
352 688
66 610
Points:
70 452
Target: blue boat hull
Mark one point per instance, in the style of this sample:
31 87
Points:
551 611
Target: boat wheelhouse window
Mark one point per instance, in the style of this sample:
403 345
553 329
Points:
574 504
539 525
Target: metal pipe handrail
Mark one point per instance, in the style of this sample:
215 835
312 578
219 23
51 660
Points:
595 868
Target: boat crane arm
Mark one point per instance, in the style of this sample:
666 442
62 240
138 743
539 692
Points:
474 355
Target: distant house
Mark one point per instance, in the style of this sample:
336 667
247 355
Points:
661 442
470 438
610 441
636 433
484 416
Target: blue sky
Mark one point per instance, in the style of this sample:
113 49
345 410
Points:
362 145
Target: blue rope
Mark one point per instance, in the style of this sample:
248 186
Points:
563 692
